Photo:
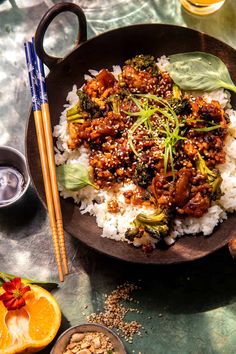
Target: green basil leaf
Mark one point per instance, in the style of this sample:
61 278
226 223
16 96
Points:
199 71
73 176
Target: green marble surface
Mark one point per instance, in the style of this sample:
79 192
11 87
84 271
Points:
185 309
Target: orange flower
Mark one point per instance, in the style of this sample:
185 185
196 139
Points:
13 298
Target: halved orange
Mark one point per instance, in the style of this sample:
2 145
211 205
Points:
32 327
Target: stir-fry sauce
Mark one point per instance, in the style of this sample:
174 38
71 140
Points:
142 128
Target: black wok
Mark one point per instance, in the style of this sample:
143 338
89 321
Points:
103 51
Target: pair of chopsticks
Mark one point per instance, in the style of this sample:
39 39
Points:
46 152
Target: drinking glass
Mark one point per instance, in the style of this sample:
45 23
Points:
202 7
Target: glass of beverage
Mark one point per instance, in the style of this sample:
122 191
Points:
202 7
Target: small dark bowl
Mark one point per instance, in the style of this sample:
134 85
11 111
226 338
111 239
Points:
64 338
14 158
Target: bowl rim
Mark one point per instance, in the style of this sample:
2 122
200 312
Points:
13 200
95 326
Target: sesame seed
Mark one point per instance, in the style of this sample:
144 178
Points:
114 312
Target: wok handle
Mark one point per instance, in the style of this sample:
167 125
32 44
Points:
51 61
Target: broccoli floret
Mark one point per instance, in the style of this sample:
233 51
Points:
214 178
76 115
176 92
158 231
85 108
114 102
88 105
156 225
143 63
180 106
143 175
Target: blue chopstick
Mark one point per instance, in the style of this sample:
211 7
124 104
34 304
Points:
29 54
38 64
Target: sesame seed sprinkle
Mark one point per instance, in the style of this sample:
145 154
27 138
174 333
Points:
114 312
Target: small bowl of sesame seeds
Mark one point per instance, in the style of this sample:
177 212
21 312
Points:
88 338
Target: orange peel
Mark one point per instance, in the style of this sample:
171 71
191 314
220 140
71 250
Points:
32 327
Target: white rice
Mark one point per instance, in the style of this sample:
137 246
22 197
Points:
114 225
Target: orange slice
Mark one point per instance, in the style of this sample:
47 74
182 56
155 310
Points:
32 327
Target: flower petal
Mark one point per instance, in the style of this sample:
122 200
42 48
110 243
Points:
20 303
8 286
9 304
17 283
24 290
3 297
6 296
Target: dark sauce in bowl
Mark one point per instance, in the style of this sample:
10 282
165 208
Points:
11 184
